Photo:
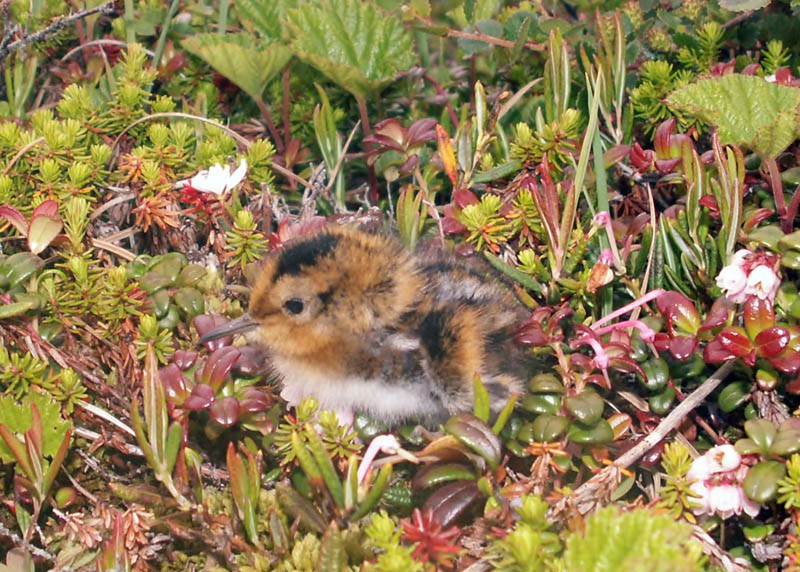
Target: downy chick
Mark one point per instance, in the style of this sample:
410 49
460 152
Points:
362 325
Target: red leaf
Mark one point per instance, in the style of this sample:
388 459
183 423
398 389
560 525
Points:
184 359
15 217
218 366
464 197
253 400
682 347
663 136
451 501
225 411
719 314
735 341
47 208
667 165
174 383
679 311
202 396
772 341
758 315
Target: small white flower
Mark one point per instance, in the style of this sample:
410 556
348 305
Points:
716 479
771 78
763 282
733 279
218 179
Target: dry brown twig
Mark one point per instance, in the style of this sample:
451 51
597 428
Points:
8 47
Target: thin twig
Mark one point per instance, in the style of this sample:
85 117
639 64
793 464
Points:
481 37
53 29
589 494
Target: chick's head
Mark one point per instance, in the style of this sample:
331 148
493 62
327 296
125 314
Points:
330 290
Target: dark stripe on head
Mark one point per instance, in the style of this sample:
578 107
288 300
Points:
305 253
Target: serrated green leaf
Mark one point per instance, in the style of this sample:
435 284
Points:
264 16
354 43
247 62
742 5
18 417
747 110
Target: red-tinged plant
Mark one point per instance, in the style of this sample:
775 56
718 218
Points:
682 322
42 228
451 222
114 556
543 327
161 440
761 337
220 385
670 146
36 474
396 148
245 476
431 543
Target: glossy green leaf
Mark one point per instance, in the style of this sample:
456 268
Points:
660 403
440 473
546 383
542 403
761 482
762 432
787 440
586 407
353 43
657 374
18 267
249 63
189 301
734 395
476 435
747 110
548 428
597 434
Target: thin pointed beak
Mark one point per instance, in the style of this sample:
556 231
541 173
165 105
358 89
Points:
240 325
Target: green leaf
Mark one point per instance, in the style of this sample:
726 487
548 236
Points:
18 418
354 43
761 482
481 407
597 434
476 435
264 16
332 554
251 64
743 5
734 395
787 441
747 110
585 407
762 432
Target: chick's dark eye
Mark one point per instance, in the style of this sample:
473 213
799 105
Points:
294 306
